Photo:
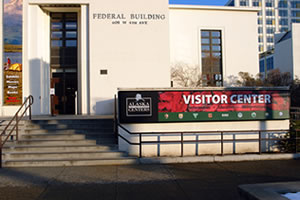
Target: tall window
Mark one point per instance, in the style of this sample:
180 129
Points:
211 49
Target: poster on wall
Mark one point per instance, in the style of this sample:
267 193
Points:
208 105
12 55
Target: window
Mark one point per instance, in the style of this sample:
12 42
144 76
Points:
270 63
259 21
260 29
270 30
261 66
295 20
260 39
211 50
269 13
283 29
269 22
261 48
295 4
255 3
270 39
269 3
283 22
295 13
269 47
283 13
244 3
282 4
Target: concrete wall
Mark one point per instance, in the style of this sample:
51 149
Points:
201 148
135 55
296 49
239 37
283 56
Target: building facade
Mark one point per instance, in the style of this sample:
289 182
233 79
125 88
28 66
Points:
77 53
274 16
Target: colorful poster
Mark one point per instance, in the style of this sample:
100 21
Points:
12 56
210 105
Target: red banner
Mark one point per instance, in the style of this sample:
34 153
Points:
222 101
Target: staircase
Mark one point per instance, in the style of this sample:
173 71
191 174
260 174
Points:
64 142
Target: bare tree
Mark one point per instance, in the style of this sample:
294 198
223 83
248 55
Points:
184 75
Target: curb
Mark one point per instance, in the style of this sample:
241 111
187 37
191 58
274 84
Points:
214 159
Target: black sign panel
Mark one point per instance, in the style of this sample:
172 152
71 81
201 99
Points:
138 107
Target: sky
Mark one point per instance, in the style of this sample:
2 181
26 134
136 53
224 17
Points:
199 2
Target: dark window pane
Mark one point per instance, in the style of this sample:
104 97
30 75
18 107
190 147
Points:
56 34
56 25
56 43
56 15
71 16
71 25
71 34
71 43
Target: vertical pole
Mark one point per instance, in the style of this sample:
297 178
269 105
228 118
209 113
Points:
115 119
181 144
17 128
259 142
30 104
222 144
140 135
296 141
0 151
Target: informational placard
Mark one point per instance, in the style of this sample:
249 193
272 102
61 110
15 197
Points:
208 105
12 87
12 55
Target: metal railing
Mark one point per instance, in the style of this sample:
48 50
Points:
295 113
260 139
15 127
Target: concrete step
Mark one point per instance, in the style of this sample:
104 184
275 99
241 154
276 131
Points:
70 162
53 131
52 137
109 122
62 155
50 142
70 148
73 126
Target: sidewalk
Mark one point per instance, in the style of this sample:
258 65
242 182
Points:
173 181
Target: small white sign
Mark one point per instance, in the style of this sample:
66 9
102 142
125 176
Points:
52 91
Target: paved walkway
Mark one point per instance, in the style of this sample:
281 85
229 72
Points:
174 181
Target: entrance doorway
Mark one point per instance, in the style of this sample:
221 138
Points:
63 64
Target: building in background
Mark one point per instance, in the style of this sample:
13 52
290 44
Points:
286 54
275 16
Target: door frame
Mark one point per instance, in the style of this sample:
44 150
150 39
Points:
83 93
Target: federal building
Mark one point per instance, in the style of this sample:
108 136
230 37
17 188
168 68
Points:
77 53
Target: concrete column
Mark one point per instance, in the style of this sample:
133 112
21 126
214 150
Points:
276 16
250 3
237 3
84 100
263 9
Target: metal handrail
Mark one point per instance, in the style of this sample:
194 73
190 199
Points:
222 140
17 118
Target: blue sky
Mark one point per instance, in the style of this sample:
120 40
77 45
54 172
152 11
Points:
199 2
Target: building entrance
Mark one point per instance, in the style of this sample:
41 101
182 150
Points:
63 36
